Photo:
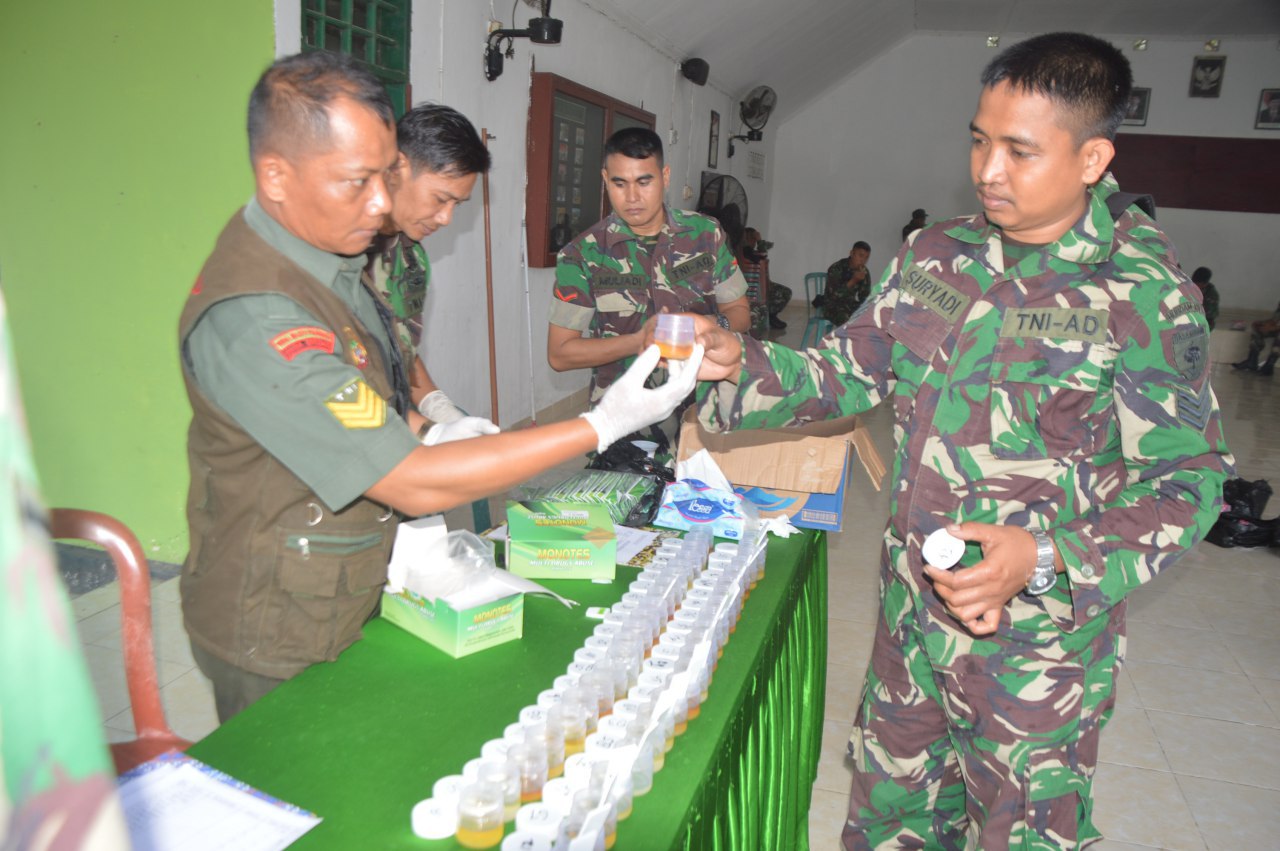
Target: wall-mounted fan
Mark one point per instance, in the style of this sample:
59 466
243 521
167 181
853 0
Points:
724 199
754 110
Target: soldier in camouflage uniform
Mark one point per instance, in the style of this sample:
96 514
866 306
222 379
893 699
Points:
1047 364
642 259
440 156
1260 332
848 284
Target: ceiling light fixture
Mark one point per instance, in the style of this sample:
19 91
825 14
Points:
1139 44
993 41
1212 45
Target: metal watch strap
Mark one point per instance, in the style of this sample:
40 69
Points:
1043 576
723 321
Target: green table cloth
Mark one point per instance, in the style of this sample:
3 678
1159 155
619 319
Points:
361 740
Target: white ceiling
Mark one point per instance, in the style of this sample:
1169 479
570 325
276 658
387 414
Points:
800 47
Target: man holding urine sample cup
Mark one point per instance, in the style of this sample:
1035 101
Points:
641 260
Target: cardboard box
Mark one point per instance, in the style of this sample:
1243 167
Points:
560 540
458 633
798 472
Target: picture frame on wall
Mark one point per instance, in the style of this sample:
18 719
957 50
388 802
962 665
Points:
1135 112
1268 117
1206 76
713 143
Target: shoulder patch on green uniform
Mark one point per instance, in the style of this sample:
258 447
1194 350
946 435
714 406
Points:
359 355
1085 324
935 294
1183 309
1191 352
693 266
305 338
356 405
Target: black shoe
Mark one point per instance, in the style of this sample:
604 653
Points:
775 323
1250 363
1268 369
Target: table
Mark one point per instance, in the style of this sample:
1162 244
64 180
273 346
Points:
359 741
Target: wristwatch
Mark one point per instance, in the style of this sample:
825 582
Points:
722 321
1043 575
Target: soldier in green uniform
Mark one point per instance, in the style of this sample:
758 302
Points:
1048 367
440 156
848 284
304 446
1201 277
642 259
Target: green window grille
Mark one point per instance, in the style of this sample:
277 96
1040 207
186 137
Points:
376 32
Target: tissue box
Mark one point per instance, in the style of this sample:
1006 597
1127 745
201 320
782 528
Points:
797 472
691 504
457 632
560 540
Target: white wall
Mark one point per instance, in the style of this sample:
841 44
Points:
446 66
894 137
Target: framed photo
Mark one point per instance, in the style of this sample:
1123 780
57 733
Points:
1268 110
1136 112
713 144
1206 76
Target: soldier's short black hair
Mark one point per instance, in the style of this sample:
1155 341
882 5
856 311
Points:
639 143
862 244
1084 74
439 139
1202 274
289 106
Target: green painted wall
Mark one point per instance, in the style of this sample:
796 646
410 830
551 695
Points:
121 156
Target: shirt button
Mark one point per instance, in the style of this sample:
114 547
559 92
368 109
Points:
1093 610
1087 571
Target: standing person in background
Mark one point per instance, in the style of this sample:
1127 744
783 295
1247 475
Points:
440 157
848 284
1048 367
918 220
1208 293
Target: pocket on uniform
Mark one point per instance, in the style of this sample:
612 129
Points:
918 328
1057 804
1049 398
622 302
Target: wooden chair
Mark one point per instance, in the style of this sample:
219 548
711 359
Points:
154 735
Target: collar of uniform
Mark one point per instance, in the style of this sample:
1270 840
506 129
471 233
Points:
324 267
1090 240
618 231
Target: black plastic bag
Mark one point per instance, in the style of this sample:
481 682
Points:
1235 530
1245 499
626 457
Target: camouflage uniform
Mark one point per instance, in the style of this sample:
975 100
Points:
841 297
1209 296
609 283
401 273
1069 394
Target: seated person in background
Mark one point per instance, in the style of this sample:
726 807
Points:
1208 293
1263 330
918 219
777 296
435 171
848 284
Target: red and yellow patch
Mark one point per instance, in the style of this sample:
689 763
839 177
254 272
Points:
567 295
307 338
356 405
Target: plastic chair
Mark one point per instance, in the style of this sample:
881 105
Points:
815 284
154 735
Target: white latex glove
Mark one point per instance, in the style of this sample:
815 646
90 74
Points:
459 429
628 405
439 408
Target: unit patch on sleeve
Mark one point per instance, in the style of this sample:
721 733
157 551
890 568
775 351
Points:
356 405
306 338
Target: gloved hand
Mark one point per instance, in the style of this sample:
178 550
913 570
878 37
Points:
439 408
628 405
460 429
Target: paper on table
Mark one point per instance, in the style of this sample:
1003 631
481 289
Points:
183 803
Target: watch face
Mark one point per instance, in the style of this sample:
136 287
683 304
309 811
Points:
1042 582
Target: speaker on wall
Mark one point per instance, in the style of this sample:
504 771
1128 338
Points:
695 70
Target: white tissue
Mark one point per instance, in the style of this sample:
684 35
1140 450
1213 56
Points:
701 466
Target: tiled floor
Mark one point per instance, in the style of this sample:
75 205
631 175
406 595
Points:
1188 761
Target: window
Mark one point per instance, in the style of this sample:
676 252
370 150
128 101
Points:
374 31
568 126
